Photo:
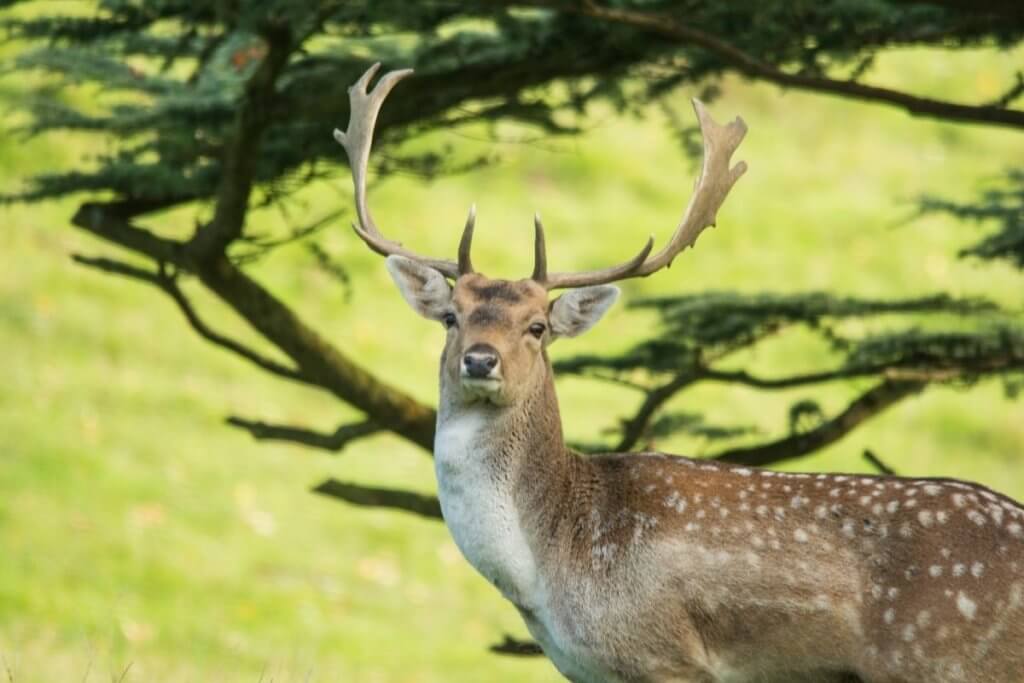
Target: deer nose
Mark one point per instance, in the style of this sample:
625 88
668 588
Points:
479 361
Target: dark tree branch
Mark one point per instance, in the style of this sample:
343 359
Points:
109 222
516 647
324 364
114 267
863 408
877 463
1012 93
747 379
920 373
241 155
370 496
335 441
669 27
633 428
319 362
168 284
1011 9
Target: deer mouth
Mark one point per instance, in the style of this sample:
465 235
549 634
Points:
481 388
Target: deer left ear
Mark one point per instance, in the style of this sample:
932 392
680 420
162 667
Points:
578 310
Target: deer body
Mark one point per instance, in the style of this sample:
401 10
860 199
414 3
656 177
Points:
652 567
656 568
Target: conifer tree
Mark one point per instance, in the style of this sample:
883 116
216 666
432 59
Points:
221 105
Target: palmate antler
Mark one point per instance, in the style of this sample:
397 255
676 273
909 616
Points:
710 190
357 140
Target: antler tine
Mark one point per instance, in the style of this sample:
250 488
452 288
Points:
357 140
710 190
540 252
466 243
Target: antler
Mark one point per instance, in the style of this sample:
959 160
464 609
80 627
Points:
712 186
357 141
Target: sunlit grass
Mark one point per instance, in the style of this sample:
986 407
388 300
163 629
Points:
138 529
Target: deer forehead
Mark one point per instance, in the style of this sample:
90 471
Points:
486 302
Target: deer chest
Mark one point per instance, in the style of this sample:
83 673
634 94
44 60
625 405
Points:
476 501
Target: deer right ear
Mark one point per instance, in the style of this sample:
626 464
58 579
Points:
424 288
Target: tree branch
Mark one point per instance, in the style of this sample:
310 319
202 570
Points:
634 428
109 222
370 496
319 362
114 267
668 27
335 441
863 408
169 284
919 373
516 647
877 463
241 155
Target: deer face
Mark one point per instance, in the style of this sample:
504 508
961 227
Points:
497 330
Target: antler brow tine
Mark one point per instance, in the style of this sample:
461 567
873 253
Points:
710 190
357 140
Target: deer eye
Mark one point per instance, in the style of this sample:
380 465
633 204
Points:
538 329
448 320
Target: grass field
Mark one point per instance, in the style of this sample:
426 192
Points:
140 536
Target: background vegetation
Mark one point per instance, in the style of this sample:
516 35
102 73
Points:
141 534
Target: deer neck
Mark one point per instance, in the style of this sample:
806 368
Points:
493 465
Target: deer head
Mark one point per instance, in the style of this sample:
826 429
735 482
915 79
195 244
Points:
498 330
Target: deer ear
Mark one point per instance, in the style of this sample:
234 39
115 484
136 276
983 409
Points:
424 288
578 310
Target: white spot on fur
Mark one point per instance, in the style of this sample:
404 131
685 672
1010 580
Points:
675 502
967 607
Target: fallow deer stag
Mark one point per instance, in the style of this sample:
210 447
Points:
651 567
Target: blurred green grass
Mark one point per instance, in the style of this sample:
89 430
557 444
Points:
139 530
